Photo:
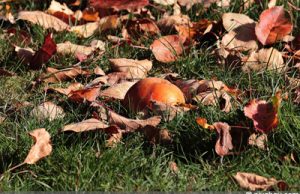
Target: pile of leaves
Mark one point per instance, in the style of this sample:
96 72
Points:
235 39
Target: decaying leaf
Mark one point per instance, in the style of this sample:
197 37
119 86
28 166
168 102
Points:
167 48
118 4
258 140
86 125
47 110
254 182
136 69
274 23
45 20
53 75
117 91
265 59
41 148
224 142
264 114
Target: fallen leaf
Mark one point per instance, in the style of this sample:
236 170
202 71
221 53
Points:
253 181
165 2
45 20
25 54
41 148
57 7
173 167
47 110
99 71
43 55
264 59
66 91
168 23
203 123
136 69
224 142
274 23
86 125
118 4
156 135
167 48
189 3
258 140
232 21
114 139
90 15
70 48
85 94
117 91
87 30
54 75
263 114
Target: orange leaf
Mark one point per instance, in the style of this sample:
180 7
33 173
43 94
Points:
273 25
89 94
41 148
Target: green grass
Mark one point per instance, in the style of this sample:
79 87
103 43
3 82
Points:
82 162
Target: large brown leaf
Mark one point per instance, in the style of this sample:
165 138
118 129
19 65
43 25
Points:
41 148
117 91
274 24
47 110
86 125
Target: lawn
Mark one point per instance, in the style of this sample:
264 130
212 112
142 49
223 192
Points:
83 162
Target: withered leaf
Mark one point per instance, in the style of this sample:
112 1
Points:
224 142
118 4
253 181
47 110
41 148
117 91
85 94
45 20
86 125
258 140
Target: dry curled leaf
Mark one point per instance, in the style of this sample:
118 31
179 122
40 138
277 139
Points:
168 48
274 23
86 125
136 69
254 182
53 75
264 114
45 20
41 148
224 142
118 4
47 110
259 141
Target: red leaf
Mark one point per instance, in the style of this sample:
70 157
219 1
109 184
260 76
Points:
118 4
263 114
47 50
274 24
224 142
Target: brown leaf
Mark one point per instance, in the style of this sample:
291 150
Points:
117 91
47 110
66 91
274 23
86 125
265 59
54 75
224 142
114 139
131 125
70 48
25 54
57 7
41 148
253 181
87 30
258 140
136 69
118 4
173 167
167 48
263 114
168 23
45 20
